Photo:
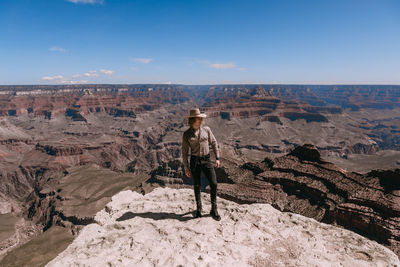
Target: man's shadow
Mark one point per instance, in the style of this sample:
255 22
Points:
168 215
160 216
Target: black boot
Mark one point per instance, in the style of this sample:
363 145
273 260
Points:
214 213
198 211
198 214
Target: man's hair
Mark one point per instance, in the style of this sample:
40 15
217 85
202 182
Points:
193 119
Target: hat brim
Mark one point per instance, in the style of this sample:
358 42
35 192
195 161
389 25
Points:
198 116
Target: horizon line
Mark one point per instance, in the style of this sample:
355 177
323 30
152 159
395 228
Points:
207 84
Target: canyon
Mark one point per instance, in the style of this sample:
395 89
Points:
66 150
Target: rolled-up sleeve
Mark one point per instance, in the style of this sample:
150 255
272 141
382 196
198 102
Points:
185 150
214 144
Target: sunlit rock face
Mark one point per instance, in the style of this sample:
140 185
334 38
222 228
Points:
158 229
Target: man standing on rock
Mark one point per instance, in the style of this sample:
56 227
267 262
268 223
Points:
198 139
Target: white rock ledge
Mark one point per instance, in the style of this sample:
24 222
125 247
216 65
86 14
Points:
158 229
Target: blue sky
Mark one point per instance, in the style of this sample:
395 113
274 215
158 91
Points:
199 42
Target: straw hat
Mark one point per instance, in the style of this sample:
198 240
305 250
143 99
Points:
196 113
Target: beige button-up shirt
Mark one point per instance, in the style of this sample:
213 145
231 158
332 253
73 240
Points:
199 145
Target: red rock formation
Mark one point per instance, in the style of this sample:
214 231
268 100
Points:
256 102
75 101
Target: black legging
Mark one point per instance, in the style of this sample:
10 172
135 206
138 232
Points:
205 165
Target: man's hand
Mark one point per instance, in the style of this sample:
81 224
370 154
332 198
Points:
187 171
217 163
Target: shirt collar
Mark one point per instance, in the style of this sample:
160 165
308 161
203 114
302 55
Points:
193 130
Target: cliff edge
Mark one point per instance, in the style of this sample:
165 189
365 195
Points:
158 229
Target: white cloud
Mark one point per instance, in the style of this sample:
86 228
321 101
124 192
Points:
242 69
107 72
74 78
58 49
52 78
91 73
74 82
86 1
62 79
143 60
228 65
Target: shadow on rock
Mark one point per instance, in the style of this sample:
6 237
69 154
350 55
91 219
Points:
158 216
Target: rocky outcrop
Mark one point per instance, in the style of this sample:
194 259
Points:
74 114
307 152
159 229
366 149
302 182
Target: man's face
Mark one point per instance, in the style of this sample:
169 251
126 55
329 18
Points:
197 122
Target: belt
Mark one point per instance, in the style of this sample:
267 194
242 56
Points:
198 159
201 157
